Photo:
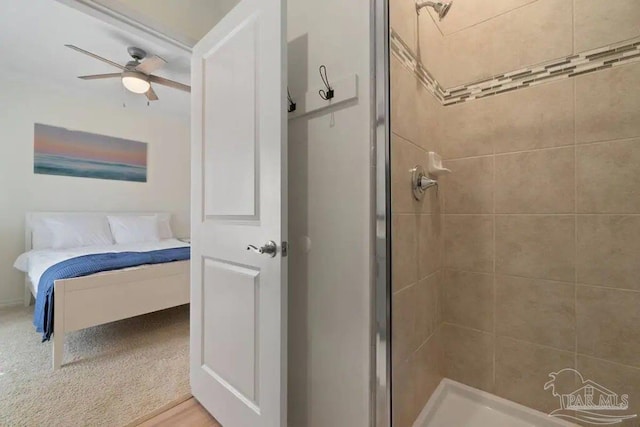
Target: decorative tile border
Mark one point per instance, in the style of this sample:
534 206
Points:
622 53
409 60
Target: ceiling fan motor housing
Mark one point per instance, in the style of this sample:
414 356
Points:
131 65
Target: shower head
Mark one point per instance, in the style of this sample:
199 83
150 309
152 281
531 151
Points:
441 8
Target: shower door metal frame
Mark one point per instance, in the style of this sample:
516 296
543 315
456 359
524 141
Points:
381 141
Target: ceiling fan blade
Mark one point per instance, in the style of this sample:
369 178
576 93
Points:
151 94
151 64
170 83
93 55
100 76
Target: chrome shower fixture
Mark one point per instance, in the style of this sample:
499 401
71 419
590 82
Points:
441 8
420 182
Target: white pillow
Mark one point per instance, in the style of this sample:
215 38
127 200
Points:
78 231
41 237
164 227
134 229
22 263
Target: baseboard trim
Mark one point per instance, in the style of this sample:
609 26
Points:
11 303
160 410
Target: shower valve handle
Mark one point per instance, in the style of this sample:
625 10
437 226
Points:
420 182
426 183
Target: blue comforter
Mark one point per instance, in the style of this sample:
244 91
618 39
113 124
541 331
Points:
90 264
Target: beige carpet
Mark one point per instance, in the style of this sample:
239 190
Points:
113 374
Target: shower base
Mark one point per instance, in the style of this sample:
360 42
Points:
455 404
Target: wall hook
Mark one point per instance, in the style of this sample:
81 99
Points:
292 105
328 94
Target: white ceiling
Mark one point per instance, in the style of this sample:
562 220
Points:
32 38
187 21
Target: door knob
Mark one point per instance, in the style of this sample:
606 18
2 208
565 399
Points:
269 248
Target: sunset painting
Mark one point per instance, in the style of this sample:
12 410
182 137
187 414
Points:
59 151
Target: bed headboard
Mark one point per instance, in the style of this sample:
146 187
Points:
34 219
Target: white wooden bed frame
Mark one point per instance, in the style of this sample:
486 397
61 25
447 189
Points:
106 297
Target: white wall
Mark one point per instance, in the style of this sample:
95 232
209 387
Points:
330 199
21 190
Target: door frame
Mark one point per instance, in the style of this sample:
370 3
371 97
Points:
381 402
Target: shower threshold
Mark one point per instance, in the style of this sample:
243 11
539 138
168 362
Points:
456 404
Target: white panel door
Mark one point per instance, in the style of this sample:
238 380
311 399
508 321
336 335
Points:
239 181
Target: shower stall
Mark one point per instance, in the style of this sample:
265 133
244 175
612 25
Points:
512 282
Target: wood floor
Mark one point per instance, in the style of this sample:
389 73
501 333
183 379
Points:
186 414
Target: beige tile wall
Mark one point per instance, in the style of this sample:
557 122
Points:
417 232
504 36
534 240
478 40
542 236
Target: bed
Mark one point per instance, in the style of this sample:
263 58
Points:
105 297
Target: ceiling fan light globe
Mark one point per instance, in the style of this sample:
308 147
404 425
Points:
134 82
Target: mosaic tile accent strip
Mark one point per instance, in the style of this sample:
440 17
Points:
409 60
614 55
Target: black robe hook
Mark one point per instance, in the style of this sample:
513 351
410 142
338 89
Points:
328 94
292 105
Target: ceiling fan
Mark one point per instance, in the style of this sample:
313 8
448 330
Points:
136 74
